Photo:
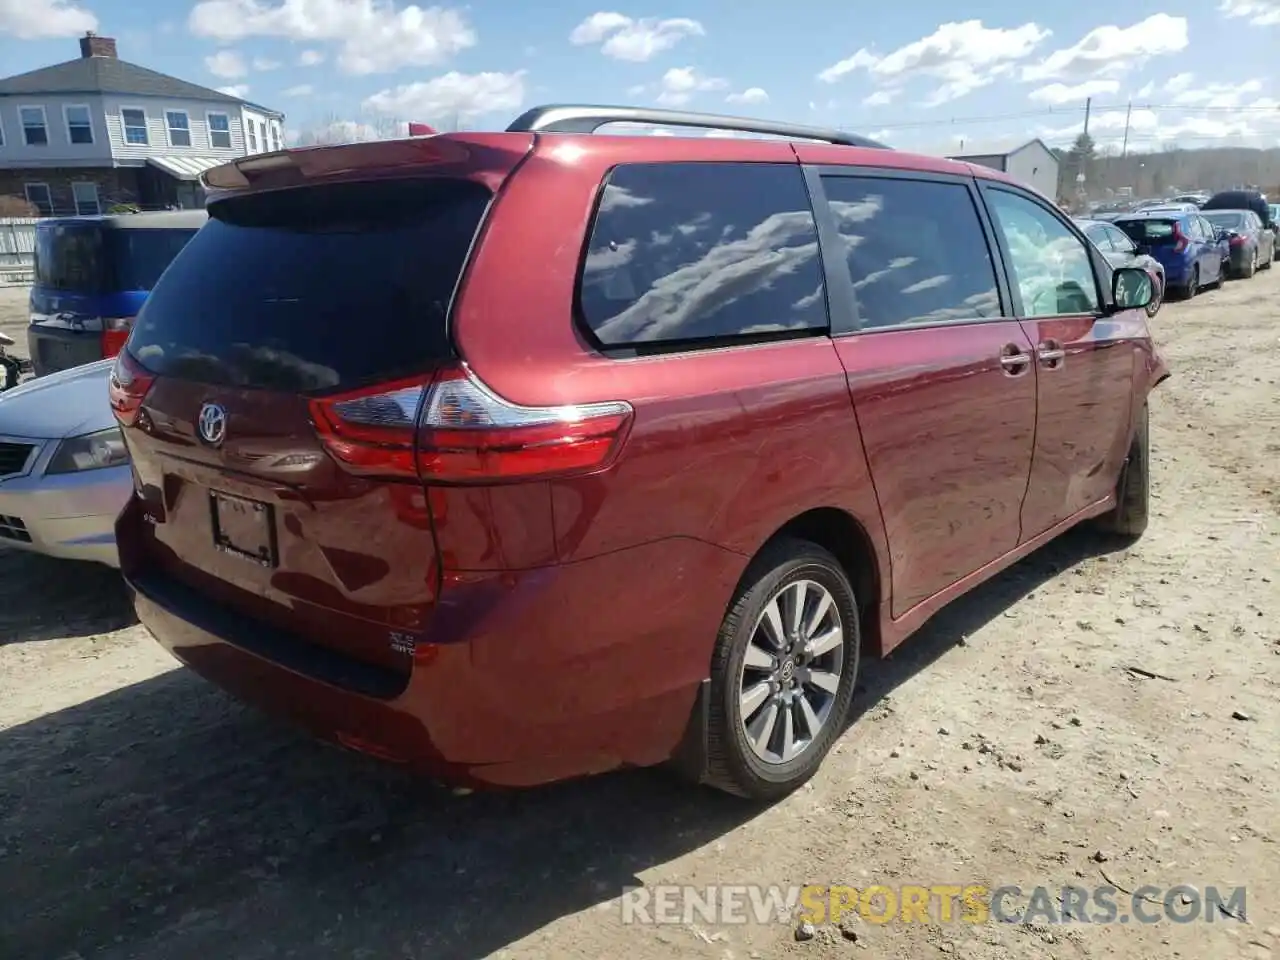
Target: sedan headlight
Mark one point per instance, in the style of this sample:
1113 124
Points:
91 451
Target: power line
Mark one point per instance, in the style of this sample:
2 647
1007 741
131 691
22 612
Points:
1078 111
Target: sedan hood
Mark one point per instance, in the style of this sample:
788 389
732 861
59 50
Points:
63 404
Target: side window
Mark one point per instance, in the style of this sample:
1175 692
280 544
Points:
688 252
915 250
1051 266
1101 239
1119 241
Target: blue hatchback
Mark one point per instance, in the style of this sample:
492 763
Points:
92 275
1193 253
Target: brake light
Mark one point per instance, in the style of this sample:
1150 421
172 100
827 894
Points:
1180 238
130 381
115 331
1235 240
454 429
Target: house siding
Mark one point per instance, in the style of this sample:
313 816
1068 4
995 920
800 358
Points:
158 133
59 151
1035 166
114 185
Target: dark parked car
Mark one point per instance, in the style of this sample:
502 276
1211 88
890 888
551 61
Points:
1120 251
1186 244
1241 200
1252 245
646 489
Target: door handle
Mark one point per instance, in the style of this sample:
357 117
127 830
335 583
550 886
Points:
1014 361
1051 354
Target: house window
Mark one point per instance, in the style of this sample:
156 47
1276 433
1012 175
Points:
79 123
179 125
39 197
220 131
253 136
35 128
86 197
134 121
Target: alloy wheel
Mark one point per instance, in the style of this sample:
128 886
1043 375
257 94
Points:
791 672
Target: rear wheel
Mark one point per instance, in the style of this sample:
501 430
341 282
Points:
1251 267
1193 284
783 672
1265 262
1133 491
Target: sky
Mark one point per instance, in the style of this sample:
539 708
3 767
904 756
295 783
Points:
918 76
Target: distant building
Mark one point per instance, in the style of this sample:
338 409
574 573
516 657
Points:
1033 163
81 136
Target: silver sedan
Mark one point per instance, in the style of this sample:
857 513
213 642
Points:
64 471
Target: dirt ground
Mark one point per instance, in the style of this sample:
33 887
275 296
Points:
144 815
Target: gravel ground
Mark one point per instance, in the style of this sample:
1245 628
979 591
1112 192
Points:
144 815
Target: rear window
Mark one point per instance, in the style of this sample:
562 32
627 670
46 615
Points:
69 257
314 288
92 259
1231 221
1148 231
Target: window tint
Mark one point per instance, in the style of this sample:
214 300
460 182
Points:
683 252
315 287
69 257
1051 266
140 256
915 251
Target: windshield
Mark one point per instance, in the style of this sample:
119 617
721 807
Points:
88 258
1227 219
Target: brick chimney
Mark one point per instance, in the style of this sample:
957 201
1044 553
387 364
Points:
92 45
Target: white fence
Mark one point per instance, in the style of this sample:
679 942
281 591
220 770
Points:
17 245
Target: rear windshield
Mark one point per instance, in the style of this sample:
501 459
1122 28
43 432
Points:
1148 231
314 288
1232 221
88 258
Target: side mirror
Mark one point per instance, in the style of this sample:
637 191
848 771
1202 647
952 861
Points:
1131 288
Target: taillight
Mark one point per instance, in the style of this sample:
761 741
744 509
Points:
115 331
1180 239
452 428
128 387
1235 241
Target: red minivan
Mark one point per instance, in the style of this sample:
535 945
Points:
526 455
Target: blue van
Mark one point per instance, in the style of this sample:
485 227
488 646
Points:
92 275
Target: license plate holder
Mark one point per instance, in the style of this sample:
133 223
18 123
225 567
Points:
243 528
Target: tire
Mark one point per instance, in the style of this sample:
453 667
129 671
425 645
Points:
743 693
1251 267
1193 284
1133 489
1267 261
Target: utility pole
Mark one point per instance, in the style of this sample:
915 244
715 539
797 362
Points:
1088 104
1124 146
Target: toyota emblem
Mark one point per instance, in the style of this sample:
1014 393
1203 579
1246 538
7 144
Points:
212 424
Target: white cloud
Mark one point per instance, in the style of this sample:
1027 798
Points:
1179 83
42 19
625 38
452 96
880 98
238 90
1146 90
310 58
1260 13
1112 50
226 64
964 56
301 90
679 85
266 63
375 36
1059 93
749 95
1218 96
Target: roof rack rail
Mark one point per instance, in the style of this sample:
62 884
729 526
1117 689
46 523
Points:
582 118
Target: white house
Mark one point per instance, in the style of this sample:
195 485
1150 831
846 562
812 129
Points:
81 136
1033 163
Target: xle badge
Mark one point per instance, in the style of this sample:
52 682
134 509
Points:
402 642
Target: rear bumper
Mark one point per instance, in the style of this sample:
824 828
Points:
70 516
528 683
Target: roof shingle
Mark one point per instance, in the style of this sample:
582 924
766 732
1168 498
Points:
109 75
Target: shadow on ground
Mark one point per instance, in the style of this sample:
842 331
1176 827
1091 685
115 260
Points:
163 821
44 599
